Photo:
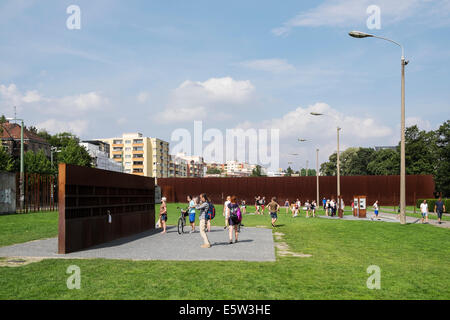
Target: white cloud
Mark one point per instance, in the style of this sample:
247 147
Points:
77 127
421 123
68 105
269 65
196 100
143 97
351 13
320 132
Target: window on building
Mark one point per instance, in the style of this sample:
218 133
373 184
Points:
138 148
127 141
138 170
138 141
127 156
138 163
117 148
117 141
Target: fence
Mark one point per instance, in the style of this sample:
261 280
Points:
40 193
97 206
385 189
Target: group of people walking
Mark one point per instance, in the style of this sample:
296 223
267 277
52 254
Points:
295 207
231 211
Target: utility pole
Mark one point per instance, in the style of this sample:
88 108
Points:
338 176
317 177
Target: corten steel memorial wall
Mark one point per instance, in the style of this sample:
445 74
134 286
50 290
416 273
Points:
97 206
386 189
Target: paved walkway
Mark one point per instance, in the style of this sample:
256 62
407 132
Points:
392 217
255 244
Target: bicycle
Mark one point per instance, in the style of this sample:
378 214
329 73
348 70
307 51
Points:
182 220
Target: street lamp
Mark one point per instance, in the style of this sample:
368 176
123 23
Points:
359 34
338 164
22 195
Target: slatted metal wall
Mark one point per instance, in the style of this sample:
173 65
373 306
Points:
97 206
383 188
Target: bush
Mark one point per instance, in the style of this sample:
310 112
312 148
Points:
431 203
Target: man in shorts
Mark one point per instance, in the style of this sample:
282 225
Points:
424 211
273 209
439 208
375 209
191 211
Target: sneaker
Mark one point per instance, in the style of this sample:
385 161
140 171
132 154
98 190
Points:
236 241
224 228
206 245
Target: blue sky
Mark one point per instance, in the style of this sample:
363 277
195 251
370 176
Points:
155 66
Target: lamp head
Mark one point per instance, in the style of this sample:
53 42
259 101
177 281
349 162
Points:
359 34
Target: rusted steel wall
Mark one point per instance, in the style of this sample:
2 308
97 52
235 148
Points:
383 188
87 196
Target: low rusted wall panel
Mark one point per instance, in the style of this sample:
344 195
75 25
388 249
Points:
87 196
386 189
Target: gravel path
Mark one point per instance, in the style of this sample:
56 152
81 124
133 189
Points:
255 244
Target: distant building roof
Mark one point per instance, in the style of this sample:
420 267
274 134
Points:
11 131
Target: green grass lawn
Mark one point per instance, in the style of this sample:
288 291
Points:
18 228
413 260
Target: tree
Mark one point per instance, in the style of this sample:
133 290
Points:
36 162
311 172
303 172
75 154
385 162
257 172
420 151
442 159
6 161
289 172
213 171
329 168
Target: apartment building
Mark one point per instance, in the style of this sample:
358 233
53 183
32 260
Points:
99 151
140 155
178 167
233 168
196 167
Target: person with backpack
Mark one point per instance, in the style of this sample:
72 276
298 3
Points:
274 207
204 208
234 218
210 215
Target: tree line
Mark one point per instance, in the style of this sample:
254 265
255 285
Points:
67 151
426 152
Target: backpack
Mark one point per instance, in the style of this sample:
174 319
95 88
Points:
211 212
235 214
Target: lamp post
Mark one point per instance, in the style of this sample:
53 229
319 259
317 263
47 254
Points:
358 34
22 195
317 170
317 177
338 165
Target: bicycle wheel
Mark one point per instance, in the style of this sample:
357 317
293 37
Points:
180 225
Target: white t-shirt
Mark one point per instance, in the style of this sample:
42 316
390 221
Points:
424 207
225 205
375 206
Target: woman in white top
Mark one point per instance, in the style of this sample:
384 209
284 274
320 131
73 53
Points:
225 211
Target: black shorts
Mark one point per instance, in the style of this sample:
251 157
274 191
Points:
439 214
164 217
